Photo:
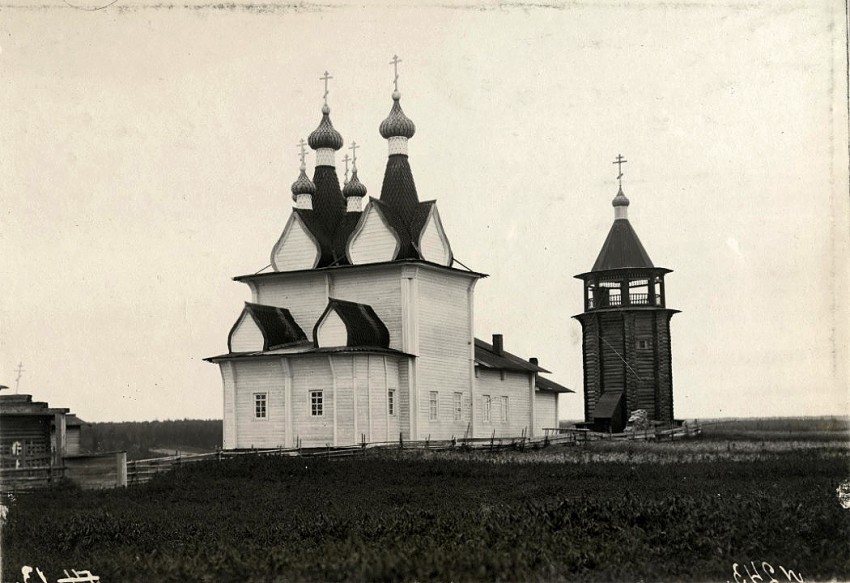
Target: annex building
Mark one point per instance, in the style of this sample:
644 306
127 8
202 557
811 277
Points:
364 329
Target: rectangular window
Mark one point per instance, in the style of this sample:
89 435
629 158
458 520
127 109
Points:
317 403
644 344
458 406
260 405
391 402
432 406
504 411
487 407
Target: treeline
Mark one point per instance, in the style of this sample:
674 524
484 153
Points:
146 439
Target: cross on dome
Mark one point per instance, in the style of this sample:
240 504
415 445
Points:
345 159
353 147
326 77
395 63
303 154
619 162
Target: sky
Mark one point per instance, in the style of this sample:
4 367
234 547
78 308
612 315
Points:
148 149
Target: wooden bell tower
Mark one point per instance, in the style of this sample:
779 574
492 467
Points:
625 331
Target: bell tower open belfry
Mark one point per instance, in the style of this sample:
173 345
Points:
625 330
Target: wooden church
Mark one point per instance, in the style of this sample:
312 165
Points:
625 330
364 329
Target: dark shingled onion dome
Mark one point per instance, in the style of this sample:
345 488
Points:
620 199
325 136
354 187
303 185
328 203
397 124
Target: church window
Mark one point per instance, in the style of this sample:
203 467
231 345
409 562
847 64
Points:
458 406
260 405
644 343
504 410
488 405
317 403
432 405
391 402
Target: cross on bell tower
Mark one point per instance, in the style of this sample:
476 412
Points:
395 63
619 161
326 77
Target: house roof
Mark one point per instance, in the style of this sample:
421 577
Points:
363 325
549 386
72 420
622 248
277 325
486 356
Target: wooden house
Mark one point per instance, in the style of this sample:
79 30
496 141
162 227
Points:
364 329
32 434
626 331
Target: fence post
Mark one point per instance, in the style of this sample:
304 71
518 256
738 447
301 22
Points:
492 439
400 441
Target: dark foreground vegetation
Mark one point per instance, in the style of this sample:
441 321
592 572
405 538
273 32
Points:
430 516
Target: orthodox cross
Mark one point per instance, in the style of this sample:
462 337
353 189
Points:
345 159
325 78
19 370
303 154
353 147
619 162
395 63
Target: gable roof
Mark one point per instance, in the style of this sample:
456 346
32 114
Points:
277 325
622 248
549 386
363 325
486 356
313 223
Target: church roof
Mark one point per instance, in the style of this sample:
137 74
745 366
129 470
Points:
622 248
277 325
487 356
363 325
549 386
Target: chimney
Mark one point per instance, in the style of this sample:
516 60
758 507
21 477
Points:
498 344
533 360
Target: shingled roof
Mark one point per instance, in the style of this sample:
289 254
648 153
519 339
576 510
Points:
364 327
488 356
549 386
622 248
277 325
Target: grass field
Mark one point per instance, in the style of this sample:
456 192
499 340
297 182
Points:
602 512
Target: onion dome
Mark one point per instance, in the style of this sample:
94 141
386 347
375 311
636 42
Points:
397 124
620 199
303 185
354 187
325 136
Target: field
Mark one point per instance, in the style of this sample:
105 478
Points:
602 512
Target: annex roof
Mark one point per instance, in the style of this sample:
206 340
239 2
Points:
549 386
364 327
277 325
487 357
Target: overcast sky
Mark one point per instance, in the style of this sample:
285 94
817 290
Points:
147 153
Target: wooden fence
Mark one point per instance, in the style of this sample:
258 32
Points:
141 471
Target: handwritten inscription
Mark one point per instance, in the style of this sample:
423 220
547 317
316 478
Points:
36 575
763 573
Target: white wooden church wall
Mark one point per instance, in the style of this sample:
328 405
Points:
229 421
515 387
545 412
303 294
332 331
380 288
433 243
247 336
445 333
312 374
296 248
373 242
259 376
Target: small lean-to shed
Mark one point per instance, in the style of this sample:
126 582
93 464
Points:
74 428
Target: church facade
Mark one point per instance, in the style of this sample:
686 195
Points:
364 330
